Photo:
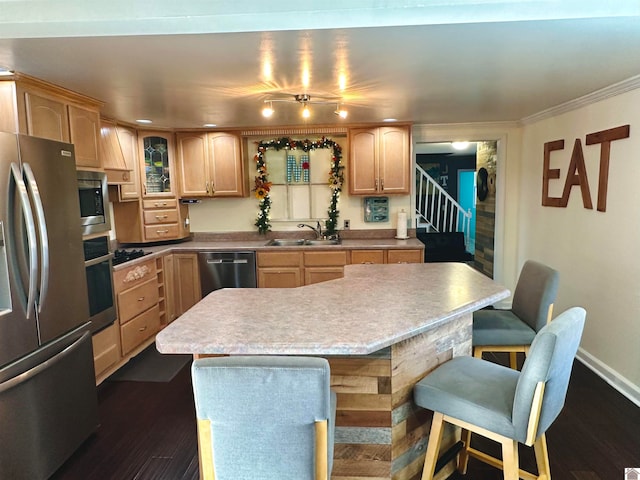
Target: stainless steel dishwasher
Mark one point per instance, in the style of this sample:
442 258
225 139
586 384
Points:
226 270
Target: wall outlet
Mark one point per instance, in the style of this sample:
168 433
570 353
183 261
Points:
347 224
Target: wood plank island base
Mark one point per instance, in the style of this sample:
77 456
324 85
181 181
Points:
382 327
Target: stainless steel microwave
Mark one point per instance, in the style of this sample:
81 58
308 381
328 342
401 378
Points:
94 202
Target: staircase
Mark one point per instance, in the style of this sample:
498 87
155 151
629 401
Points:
436 210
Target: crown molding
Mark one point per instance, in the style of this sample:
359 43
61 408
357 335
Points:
619 88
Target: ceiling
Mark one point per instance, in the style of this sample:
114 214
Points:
461 61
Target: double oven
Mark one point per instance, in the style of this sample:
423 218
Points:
98 257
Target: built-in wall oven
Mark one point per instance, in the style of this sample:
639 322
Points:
94 202
98 265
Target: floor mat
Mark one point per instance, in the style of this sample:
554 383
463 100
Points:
151 366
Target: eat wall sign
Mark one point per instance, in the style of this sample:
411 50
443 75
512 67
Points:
577 172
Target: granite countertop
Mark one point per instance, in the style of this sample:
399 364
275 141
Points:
372 307
260 245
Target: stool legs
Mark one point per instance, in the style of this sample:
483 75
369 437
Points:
542 458
463 457
433 447
510 459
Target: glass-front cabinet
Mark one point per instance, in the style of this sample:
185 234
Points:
157 154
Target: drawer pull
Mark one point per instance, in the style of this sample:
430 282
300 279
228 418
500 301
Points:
160 217
160 232
160 204
142 329
141 299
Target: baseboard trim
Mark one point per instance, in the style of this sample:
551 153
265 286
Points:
613 378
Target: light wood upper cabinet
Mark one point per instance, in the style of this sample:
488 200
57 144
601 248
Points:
46 118
193 157
34 107
157 170
225 165
128 141
379 161
84 129
210 164
115 166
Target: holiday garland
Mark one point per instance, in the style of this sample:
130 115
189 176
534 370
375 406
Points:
263 185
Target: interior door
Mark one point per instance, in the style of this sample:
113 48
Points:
467 198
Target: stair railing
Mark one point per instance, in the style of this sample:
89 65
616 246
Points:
438 210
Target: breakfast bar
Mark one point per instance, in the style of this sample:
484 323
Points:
382 328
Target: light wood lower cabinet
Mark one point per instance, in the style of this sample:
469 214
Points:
279 269
387 256
323 266
137 294
405 256
186 282
293 268
367 256
106 348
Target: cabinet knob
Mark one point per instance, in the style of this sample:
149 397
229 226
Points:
206 186
382 184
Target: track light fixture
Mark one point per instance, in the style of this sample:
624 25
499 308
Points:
305 100
341 112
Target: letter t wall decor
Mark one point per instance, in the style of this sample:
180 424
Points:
577 172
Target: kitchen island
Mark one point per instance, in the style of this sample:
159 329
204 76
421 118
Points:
382 327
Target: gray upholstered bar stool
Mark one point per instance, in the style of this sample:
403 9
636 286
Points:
513 330
503 404
264 417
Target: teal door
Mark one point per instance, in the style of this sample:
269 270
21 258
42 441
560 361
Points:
467 198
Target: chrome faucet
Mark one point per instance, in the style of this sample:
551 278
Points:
317 229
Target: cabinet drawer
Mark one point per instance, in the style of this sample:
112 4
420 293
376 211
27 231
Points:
405 256
139 329
279 277
160 203
160 216
279 259
132 276
367 256
137 300
106 348
322 274
325 259
161 231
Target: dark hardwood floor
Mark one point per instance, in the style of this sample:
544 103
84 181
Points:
148 432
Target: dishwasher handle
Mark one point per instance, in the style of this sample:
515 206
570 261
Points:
226 260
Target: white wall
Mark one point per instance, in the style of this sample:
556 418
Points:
595 252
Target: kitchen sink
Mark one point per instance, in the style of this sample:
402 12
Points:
322 241
288 242
284 242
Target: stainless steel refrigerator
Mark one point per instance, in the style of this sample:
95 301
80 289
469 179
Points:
48 400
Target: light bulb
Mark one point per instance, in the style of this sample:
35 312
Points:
342 113
306 113
267 111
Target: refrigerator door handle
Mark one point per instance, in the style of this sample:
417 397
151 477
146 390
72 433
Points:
23 377
44 237
31 235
